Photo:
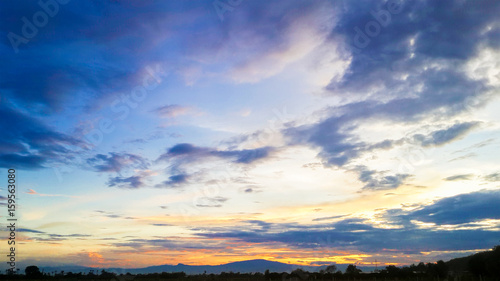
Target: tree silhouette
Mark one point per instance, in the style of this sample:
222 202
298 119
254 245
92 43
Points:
32 271
331 268
299 273
486 263
352 270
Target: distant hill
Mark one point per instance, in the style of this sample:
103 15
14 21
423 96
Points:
485 263
460 264
248 266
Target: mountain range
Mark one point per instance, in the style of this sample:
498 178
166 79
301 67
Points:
249 266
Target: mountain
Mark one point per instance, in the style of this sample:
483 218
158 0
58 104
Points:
483 263
248 266
242 266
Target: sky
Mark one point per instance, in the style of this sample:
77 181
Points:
206 132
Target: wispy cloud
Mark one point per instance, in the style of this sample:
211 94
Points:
116 162
172 110
459 177
33 192
441 137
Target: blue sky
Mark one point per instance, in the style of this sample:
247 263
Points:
156 132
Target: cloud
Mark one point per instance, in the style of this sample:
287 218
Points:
136 180
28 144
189 152
398 77
29 230
185 149
112 215
250 188
126 182
362 236
301 29
91 62
328 218
463 208
172 110
459 177
338 145
33 192
170 243
365 235
52 237
97 61
175 181
116 162
492 177
156 135
211 202
378 180
184 156
466 156
444 136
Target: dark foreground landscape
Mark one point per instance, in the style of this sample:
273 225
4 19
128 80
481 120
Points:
482 266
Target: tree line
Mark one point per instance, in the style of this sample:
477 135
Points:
483 266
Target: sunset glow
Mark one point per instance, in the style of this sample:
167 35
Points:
304 132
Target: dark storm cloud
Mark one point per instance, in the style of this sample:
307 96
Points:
116 162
